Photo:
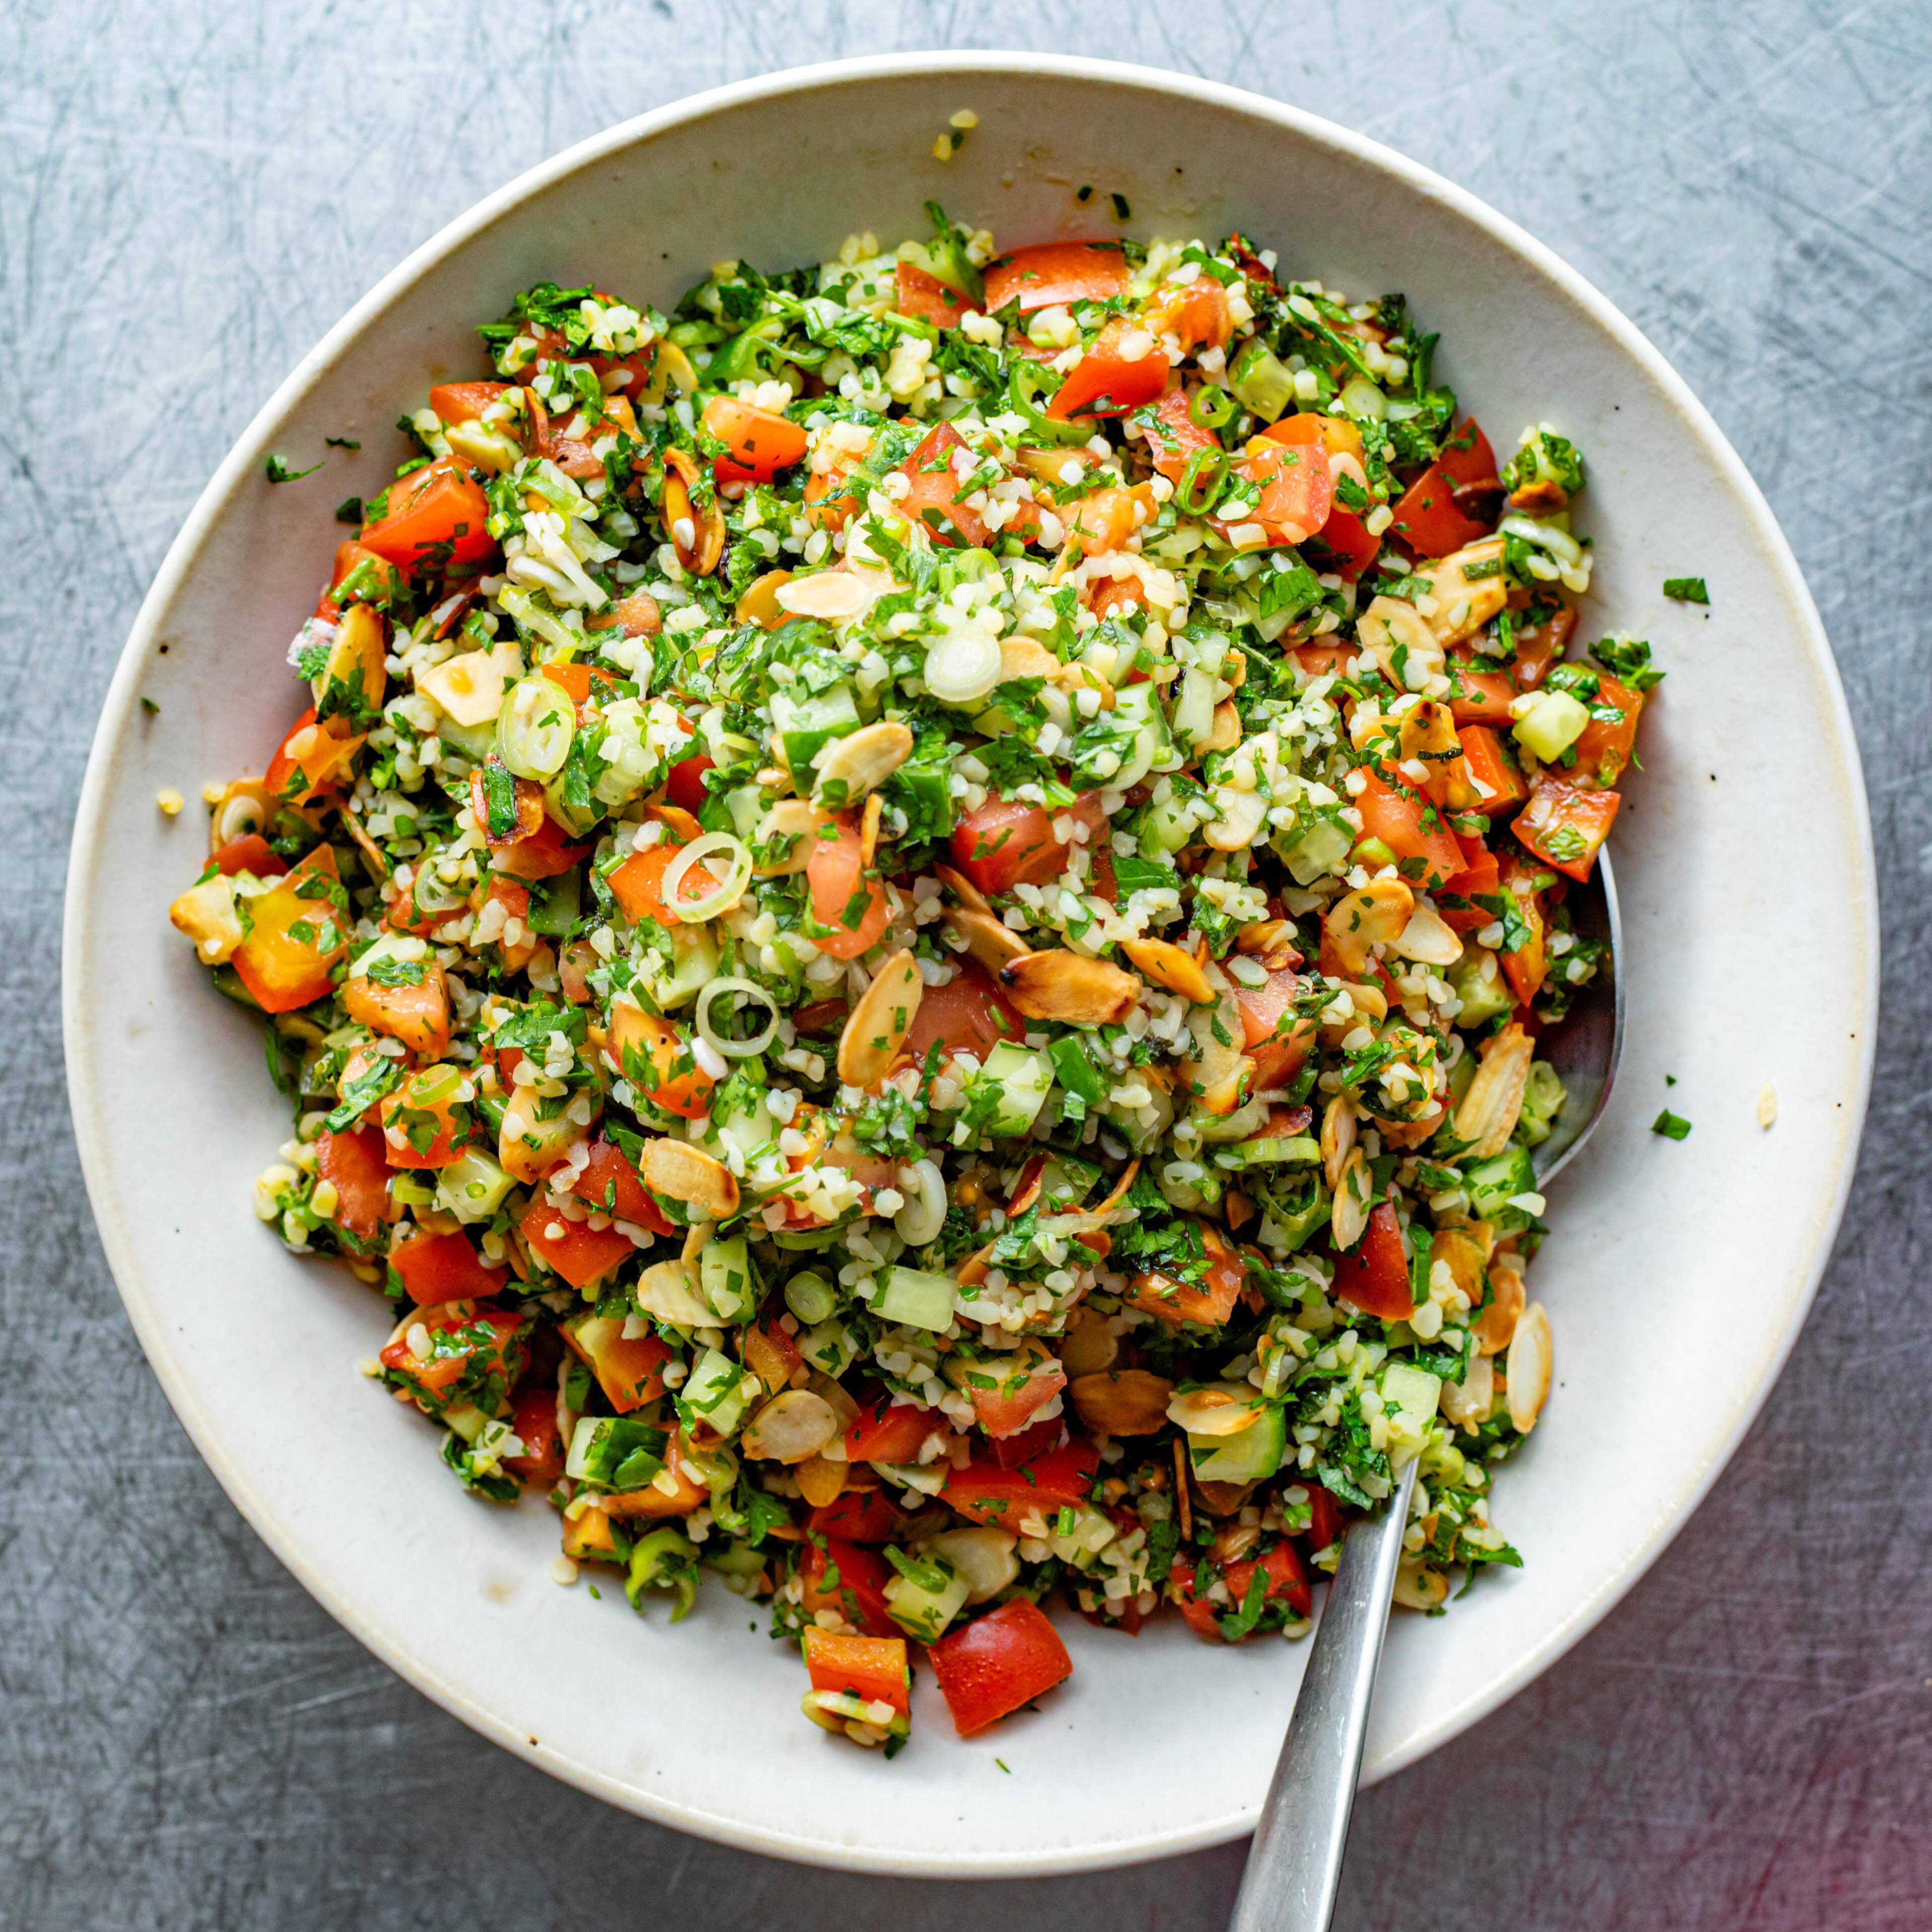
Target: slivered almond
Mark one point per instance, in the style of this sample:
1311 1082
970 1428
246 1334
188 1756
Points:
962 888
1428 938
820 1481
1166 964
1057 984
1226 733
1496 1325
988 941
1529 1366
1338 1138
877 1026
1375 915
1488 1115
795 818
677 1169
868 829
1024 657
851 767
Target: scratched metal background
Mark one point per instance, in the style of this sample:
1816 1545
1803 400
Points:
188 196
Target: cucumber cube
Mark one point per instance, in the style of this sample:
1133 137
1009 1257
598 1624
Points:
917 1299
1251 1456
1023 1077
729 1286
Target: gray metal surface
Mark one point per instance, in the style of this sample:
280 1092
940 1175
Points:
189 195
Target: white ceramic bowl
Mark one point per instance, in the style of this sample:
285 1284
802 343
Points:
1678 1274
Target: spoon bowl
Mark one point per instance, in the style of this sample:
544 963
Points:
1586 1045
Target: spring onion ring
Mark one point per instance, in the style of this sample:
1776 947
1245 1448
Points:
735 1049
722 897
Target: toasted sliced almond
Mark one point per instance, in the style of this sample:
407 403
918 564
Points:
1239 816
1338 1138
1130 1402
1464 604
1267 936
1488 1115
876 1027
821 1481
1467 1403
677 1169
1496 1325
851 766
1395 630
1429 939
1348 1214
791 1428
1226 733
796 818
1026 657
1375 915
760 605
962 888
669 1290
1221 1409
1529 1366
1214 1077
993 944
1420 1586
1057 984
1166 964
869 822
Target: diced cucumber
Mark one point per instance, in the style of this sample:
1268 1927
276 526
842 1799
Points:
614 1451
925 1596
1074 1070
805 725
473 741
1137 703
1477 981
1023 1076
692 966
915 1298
1169 824
1322 850
1414 1391
1250 1456
1262 380
718 1391
1554 724
729 1287
1544 1095
472 1186
1493 1184
828 1346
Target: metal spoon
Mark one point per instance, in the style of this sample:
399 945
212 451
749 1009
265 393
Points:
1294 1865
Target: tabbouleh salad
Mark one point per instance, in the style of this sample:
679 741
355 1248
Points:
908 932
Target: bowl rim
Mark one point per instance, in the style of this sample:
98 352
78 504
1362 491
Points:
420 1668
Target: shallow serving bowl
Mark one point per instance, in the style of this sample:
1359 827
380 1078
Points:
1678 1274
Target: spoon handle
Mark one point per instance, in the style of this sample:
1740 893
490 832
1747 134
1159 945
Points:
1294 1863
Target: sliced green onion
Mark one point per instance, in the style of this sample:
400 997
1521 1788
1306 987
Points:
722 897
1211 408
746 989
1200 481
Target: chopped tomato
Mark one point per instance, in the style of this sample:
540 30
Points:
1125 367
760 441
1525 965
1263 1007
1425 850
310 760
464 402
849 911
1539 646
1351 546
655 1058
926 299
1056 271
1285 1583
1336 434
353 1163
1277 1050
471 1347
1015 1452
1373 1275
1103 522
969 1014
1604 750
637 884
629 1371
987 1493
438 516
858 1516
988 1669
443 1267
1488 761
1429 520
418 1015
607 1181
932 501
871 1668
1173 1299
527 798
533 1417
252 854
514 898
1479 696
424 1124
844 1577
1478 879
1322 660
1174 438
1468 458
886 1432
686 787
1297 489
1565 824
298 937
576 681
579 1252
634 371
1195 312
1005 844
542 854
1031 1379
1324 1518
